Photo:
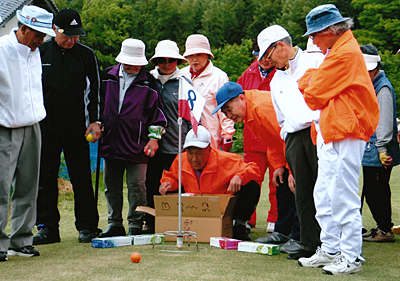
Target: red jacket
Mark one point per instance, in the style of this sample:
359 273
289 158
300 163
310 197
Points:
221 167
252 80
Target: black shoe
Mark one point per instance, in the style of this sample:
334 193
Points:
3 256
112 231
274 238
241 232
86 235
135 231
300 254
46 235
26 251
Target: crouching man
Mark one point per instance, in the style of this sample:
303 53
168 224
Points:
206 170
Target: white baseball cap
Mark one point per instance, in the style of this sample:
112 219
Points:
371 61
270 35
202 140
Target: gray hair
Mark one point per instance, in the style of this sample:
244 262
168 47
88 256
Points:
341 27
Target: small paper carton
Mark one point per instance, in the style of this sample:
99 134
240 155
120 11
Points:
229 244
110 242
224 243
260 248
147 239
214 241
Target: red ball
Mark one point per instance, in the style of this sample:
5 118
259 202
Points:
135 257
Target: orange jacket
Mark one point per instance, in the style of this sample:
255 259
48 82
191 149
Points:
342 89
261 121
221 167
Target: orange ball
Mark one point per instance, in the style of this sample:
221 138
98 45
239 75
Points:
135 257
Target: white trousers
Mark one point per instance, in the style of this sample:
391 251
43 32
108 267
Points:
336 196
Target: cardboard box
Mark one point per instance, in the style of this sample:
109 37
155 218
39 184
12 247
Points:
208 215
260 248
224 243
147 239
110 242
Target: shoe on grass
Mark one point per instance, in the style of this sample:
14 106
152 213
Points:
319 259
341 266
86 235
370 233
270 227
46 235
3 256
291 246
112 231
26 251
241 232
381 236
274 238
300 254
135 231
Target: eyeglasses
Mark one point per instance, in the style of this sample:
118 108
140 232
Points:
269 55
164 60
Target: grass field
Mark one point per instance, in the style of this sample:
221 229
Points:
69 260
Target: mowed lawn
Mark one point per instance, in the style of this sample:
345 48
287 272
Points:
69 260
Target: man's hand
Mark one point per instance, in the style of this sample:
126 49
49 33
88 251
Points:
96 131
165 187
226 145
278 173
398 137
235 184
151 147
386 160
292 183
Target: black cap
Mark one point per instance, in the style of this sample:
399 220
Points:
69 23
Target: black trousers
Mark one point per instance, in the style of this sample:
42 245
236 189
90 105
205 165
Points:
247 201
288 222
155 168
301 155
77 158
376 191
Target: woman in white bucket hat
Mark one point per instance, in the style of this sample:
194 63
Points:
133 124
167 74
207 79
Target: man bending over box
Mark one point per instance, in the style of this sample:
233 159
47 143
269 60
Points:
206 170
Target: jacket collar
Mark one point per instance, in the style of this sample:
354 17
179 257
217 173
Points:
114 71
24 50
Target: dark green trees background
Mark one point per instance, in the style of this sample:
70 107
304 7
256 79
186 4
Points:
230 25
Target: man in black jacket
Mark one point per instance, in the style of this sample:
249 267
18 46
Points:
71 98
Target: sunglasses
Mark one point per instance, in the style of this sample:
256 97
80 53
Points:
164 60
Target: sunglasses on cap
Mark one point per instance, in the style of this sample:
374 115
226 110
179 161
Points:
164 60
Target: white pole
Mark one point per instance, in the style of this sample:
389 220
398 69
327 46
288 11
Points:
180 174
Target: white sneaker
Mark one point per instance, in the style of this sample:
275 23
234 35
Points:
341 265
270 227
319 259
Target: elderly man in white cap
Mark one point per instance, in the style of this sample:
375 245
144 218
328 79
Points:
295 119
341 88
166 59
206 170
21 99
71 98
207 79
133 125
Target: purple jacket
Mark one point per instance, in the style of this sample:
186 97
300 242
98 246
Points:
125 133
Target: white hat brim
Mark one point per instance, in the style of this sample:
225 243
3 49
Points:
138 61
48 31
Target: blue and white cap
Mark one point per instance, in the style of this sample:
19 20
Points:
37 18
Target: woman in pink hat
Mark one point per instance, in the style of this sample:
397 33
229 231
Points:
207 79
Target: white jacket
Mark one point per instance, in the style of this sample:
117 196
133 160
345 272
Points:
207 84
292 112
21 97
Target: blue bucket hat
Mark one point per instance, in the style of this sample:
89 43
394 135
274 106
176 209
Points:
322 17
228 91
